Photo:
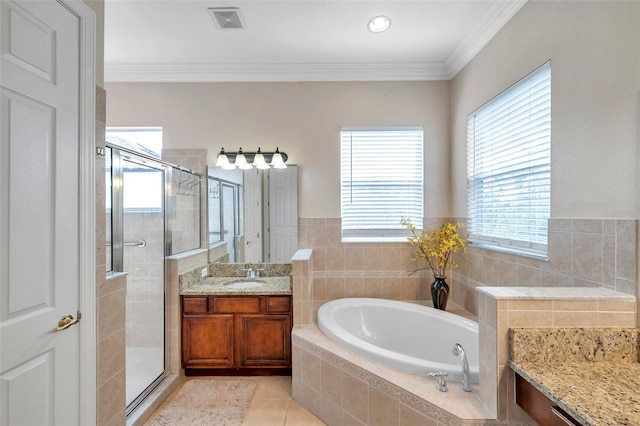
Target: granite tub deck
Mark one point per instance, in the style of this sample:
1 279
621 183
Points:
216 286
593 374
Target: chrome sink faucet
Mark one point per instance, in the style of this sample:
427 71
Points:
465 383
250 273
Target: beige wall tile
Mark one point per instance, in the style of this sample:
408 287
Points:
111 398
355 398
560 257
617 305
372 259
353 258
575 305
508 274
372 287
575 319
312 371
529 277
616 319
319 291
410 417
353 287
384 410
111 314
331 412
335 259
335 288
587 259
530 319
490 271
625 258
530 305
312 399
332 382
111 357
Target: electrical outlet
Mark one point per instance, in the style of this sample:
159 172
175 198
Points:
205 272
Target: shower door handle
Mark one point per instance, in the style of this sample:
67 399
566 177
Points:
141 243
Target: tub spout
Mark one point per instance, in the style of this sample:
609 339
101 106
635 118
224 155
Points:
465 383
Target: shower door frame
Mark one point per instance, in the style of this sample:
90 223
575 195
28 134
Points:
118 155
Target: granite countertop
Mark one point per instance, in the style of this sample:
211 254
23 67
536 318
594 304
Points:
216 286
593 393
592 373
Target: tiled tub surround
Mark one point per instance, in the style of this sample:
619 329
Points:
502 308
581 253
339 270
344 388
593 374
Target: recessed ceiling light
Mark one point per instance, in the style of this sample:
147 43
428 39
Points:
379 24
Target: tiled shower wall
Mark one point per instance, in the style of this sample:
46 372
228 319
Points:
581 253
110 301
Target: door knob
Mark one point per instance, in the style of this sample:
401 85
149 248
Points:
67 321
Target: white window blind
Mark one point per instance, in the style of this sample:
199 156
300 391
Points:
509 168
381 182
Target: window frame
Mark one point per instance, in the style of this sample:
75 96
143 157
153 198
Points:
534 241
392 231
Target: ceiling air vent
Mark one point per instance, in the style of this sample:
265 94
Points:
227 18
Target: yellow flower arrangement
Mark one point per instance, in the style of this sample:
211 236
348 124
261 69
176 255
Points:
437 246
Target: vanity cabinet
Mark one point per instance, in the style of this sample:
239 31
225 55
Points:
236 332
539 407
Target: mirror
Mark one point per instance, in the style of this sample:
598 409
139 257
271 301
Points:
253 215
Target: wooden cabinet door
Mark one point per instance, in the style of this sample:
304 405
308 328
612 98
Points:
207 341
264 340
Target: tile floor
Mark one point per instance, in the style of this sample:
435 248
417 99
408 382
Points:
271 404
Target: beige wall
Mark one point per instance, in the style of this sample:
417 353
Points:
594 48
303 119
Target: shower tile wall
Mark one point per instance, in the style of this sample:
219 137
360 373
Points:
582 253
110 296
145 292
182 234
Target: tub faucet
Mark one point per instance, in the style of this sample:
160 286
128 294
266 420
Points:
465 384
441 385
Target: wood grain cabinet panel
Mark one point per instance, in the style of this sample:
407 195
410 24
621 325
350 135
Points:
539 407
236 332
207 340
266 340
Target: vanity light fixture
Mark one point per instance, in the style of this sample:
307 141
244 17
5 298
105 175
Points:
241 161
259 160
379 24
223 161
248 160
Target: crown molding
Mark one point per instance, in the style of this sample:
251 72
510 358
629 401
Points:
496 17
273 72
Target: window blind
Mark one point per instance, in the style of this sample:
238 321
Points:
509 168
381 182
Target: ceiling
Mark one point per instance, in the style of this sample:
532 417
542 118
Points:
297 40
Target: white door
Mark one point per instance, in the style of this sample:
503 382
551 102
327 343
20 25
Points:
252 216
41 220
283 213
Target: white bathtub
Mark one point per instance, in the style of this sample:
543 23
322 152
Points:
414 338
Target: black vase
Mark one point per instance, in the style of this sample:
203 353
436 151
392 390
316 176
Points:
440 293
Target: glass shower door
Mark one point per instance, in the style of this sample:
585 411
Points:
143 251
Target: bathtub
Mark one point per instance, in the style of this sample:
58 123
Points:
403 335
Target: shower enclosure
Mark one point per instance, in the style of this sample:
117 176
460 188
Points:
145 199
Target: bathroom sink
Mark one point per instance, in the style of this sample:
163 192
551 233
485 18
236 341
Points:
241 285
